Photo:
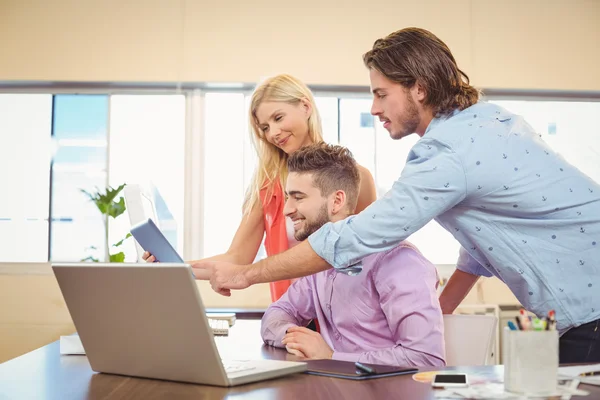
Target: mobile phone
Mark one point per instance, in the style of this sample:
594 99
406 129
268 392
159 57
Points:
450 380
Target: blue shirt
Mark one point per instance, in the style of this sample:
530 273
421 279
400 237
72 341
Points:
519 210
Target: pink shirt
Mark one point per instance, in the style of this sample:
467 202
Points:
388 314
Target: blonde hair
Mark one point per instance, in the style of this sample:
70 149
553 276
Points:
272 161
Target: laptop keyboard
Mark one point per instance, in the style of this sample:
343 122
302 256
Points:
219 327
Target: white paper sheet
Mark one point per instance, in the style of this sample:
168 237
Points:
575 371
70 345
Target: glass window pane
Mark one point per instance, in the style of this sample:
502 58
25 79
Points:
229 159
357 131
328 109
25 151
147 147
80 126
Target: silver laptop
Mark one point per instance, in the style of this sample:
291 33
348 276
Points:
147 320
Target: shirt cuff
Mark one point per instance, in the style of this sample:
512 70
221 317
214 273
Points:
273 335
341 356
476 269
323 242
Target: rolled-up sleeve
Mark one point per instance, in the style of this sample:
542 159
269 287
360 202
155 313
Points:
294 308
433 181
466 263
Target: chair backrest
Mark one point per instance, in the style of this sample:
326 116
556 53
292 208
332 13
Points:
469 339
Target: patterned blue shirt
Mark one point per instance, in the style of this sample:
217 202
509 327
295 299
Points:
519 210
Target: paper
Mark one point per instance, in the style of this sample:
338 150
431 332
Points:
496 391
575 371
71 345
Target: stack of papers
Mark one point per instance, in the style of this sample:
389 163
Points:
496 391
576 371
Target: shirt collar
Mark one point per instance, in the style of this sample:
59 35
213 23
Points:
438 120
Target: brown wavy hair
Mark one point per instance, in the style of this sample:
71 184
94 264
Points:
332 167
414 55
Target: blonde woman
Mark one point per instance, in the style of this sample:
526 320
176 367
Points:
283 118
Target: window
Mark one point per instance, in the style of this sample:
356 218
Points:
25 153
53 146
147 147
80 125
229 163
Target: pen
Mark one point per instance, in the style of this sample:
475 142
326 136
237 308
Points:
593 373
518 323
512 326
364 368
525 322
551 326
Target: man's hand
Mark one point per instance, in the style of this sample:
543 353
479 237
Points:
223 276
310 343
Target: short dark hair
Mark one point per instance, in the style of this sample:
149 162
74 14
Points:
414 55
333 168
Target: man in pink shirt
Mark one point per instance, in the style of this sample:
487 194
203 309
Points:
385 314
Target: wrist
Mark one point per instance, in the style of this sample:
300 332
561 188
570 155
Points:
250 274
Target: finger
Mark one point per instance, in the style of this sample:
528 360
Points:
294 352
224 292
145 255
204 265
151 259
300 329
298 346
291 336
288 339
201 274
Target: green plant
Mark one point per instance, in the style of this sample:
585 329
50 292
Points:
106 204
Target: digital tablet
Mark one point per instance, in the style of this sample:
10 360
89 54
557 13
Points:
348 370
149 236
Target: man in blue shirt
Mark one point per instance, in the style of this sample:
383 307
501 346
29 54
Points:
519 210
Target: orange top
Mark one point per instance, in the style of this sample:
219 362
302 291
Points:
276 240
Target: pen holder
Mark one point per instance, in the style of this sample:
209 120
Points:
530 361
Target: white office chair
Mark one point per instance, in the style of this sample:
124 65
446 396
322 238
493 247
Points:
469 339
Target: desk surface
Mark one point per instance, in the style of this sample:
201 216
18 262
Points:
45 374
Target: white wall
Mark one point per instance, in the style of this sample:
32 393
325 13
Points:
522 44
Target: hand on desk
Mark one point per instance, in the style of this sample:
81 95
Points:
310 343
223 276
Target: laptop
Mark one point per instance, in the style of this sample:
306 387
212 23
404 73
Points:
147 320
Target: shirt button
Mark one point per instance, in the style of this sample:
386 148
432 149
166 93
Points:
328 306
338 336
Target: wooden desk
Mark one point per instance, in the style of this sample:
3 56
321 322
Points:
45 374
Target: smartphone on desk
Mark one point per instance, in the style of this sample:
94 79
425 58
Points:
450 380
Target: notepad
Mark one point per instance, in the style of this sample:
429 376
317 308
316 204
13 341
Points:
576 371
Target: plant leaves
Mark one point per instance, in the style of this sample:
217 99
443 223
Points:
120 242
115 209
117 258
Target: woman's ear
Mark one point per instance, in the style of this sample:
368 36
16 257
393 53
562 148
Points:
306 106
